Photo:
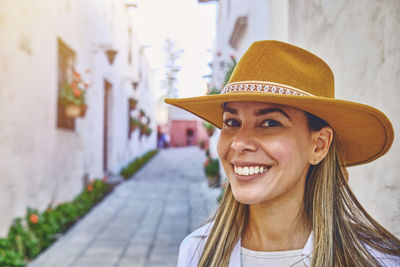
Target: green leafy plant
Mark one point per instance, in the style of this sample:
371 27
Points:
231 68
8 256
29 236
134 124
132 103
214 91
136 164
209 128
211 167
202 144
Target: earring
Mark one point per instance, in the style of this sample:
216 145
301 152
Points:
315 161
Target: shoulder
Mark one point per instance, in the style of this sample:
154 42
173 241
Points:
386 260
192 246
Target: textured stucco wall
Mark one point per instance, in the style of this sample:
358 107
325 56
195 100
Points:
40 163
360 40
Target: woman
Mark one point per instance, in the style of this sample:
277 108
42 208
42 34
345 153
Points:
285 144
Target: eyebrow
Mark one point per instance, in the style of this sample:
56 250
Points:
230 110
271 110
258 112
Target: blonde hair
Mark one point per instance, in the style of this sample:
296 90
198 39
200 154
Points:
341 227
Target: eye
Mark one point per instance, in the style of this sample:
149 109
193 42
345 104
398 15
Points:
270 123
231 123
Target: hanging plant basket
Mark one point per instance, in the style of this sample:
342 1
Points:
210 132
134 124
209 128
148 131
132 103
73 111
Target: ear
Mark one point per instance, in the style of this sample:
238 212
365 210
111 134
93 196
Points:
322 140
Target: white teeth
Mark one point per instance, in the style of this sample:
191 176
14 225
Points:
249 170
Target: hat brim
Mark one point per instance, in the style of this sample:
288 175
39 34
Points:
364 132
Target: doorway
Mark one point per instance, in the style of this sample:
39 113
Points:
107 93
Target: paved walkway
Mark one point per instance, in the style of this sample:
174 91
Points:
143 221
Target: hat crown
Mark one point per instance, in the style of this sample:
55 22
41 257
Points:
282 63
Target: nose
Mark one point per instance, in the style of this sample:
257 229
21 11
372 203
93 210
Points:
244 141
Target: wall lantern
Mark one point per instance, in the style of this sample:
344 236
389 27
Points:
107 49
135 84
111 53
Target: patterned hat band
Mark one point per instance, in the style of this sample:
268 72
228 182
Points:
267 87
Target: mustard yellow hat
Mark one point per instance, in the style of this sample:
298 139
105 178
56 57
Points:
280 73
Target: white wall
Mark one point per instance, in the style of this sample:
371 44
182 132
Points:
360 41
40 163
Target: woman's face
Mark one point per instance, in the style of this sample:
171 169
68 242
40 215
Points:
265 150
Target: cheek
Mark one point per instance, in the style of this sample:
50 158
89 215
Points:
223 146
284 150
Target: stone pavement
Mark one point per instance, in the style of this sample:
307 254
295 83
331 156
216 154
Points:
143 221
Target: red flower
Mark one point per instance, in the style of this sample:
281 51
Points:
86 85
105 178
90 187
34 218
74 86
77 92
232 57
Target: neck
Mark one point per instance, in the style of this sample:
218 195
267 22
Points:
278 225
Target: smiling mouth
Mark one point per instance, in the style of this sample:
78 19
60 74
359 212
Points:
250 170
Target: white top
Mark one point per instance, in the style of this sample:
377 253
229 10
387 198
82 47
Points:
192 247
251 258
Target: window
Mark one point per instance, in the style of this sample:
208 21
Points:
66 62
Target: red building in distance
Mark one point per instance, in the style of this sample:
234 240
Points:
185 129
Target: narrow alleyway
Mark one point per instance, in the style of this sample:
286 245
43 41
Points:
143 221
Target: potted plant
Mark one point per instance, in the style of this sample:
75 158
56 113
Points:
133 124
132 103
231 68
211 168
202 144
148 131
143 128
209 127
72 97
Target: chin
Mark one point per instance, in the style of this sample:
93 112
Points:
248 198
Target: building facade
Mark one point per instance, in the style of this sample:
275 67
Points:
46 156
186 129
360 41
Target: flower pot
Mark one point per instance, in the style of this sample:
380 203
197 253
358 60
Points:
133 127
212 181
83 111
72 111
132 105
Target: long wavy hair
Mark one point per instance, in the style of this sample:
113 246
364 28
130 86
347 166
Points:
344 233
